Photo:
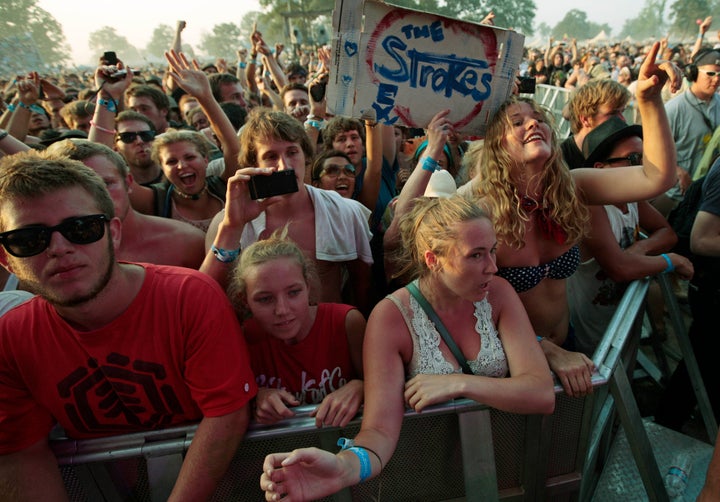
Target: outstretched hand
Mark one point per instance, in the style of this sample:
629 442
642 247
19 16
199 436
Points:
301 475
189 77
654 74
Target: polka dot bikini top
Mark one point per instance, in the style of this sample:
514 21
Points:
525 278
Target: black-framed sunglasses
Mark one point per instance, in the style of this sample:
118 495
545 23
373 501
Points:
30 241
129 136
635 159
333 170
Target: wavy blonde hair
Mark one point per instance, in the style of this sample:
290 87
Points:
431 225
498 183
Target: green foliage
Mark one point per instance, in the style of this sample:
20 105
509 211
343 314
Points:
162 39
684 13
514 14
107 39
575 24
305 15
19 18
650 22
223 42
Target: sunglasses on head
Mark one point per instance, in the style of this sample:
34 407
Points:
634 159
333 170
710 73
30 241
129 136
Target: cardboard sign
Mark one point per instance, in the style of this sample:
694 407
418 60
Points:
402 66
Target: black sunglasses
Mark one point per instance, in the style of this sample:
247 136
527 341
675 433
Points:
30 241
129 137
635 159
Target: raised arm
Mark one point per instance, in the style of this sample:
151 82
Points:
177 47
368 196
550 52
270 62
657 174
28 96
110 97
195 82
437 133
227 226
702 29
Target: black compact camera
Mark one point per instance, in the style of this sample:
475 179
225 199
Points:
110 60
526 85
278 183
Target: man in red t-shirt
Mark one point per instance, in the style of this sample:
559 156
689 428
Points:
106 347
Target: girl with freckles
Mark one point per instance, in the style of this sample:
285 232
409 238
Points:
301 352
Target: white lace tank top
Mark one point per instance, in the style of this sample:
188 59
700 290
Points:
427 357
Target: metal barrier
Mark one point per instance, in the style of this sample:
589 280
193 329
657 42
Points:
457 450
613 357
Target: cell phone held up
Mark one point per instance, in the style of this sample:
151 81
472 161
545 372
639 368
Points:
278 183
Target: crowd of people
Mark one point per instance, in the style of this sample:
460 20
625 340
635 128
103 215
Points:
210 244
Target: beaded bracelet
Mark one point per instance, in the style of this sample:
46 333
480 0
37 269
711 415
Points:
102 129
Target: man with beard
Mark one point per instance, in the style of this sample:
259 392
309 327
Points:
134 139
145 238
106 347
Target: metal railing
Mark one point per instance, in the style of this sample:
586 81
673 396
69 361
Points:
460 449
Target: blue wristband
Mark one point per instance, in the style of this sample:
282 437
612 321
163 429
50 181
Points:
33 108
540 338
430 164
110 105
362 455
670 267
242 64
225 255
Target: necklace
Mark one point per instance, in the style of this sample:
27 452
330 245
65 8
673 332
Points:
195 196
549 227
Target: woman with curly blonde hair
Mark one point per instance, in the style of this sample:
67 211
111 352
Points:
539 208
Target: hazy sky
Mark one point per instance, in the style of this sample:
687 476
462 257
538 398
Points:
136 19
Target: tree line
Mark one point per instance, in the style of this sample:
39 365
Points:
308 22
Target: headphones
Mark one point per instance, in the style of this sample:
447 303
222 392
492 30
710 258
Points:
691 70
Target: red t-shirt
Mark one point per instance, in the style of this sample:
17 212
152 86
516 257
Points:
175 355
310 369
